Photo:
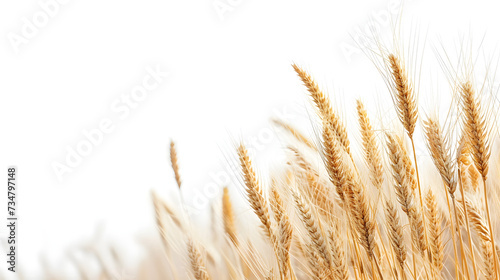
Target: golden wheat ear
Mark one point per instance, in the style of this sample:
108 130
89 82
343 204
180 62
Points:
299 136
441 154
488 259
396 234
254 192
316 190
197 263
341 268
475 128
324 107
403 95
435 236
228 217
402 184
175 164
370 147
313 227
333 160
285 233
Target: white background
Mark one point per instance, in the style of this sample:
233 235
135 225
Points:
229 73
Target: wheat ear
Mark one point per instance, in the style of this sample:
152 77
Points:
197 264
488 259
474 124
324 107
313 227
402 180
318 192
396 237
175 164
370 147
295 133
333 158
340 266
254 192
441 154
435 236
284 234
228 217
403 95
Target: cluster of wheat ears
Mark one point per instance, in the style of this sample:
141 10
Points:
327 216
